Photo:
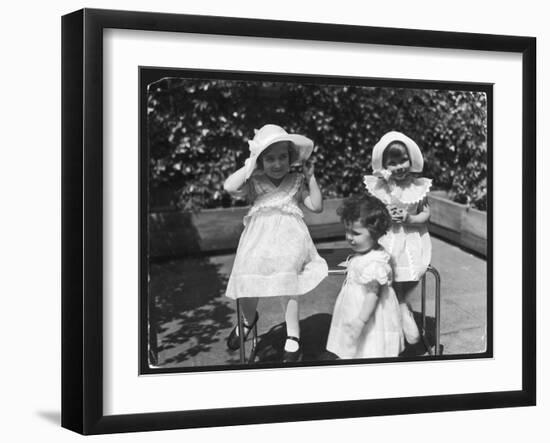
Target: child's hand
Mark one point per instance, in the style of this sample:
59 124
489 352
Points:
250 164
309 169
398 215
353 328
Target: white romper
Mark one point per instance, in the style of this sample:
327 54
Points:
382 335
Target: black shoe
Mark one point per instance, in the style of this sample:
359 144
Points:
293 356
234 341
328 356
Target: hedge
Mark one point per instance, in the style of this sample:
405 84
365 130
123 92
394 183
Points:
198 130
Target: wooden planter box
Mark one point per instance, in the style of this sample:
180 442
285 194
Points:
458 223
179 233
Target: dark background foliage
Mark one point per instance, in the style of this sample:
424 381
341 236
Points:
198 130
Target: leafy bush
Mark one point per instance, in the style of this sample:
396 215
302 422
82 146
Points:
198 130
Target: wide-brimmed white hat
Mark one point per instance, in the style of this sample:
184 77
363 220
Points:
269 134
415 155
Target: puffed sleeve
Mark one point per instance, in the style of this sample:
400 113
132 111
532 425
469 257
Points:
246 191
376 271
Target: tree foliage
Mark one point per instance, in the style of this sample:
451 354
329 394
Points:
198 130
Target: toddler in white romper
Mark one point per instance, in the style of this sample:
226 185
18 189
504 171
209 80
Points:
366 321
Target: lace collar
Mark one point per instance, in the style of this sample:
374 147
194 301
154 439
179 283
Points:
415 191
288 183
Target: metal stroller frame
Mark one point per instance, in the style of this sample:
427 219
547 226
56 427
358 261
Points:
437 350
242 352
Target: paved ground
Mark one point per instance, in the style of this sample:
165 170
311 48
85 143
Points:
194 317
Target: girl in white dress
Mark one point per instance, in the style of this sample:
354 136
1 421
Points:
276 255
396 163
366 322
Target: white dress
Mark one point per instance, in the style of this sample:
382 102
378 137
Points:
410 246
382 335
276 255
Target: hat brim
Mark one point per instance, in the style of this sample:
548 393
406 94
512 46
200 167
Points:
415 155
301 145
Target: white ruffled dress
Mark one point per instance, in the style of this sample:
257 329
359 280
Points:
276 255
410 246
382 335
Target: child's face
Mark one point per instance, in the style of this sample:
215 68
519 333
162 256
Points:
358 237
399 165
276 160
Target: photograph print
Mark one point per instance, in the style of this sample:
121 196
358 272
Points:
292 220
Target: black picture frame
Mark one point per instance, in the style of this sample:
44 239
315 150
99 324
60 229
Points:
82 220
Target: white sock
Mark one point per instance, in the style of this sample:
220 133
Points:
291 346
292 325
410 329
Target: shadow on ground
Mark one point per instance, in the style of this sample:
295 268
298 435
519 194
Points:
314 333
313 337
190 310
53 417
